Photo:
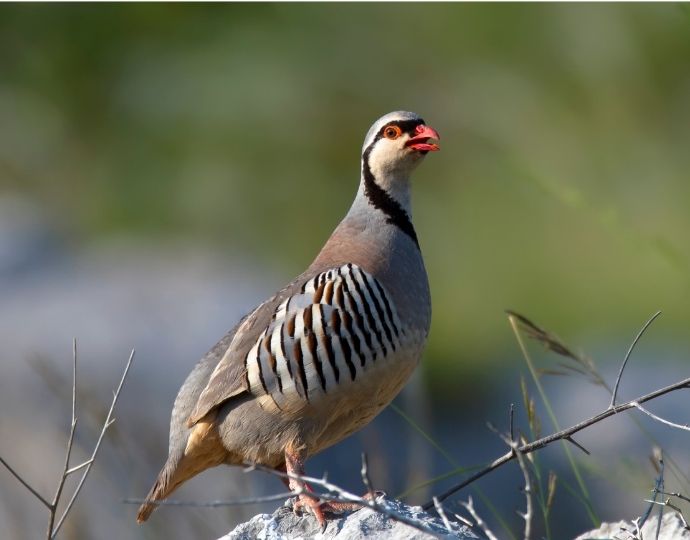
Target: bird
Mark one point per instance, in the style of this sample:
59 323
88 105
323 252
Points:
325 354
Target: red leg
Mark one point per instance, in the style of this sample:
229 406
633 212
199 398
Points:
294 464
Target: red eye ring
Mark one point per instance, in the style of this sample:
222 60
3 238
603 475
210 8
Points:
392 132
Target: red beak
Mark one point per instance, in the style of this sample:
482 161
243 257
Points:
420 141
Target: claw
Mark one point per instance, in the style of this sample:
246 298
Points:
304 502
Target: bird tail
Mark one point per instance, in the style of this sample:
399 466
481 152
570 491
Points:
164 485
175 471
203 450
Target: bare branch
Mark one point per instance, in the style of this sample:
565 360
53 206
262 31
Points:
469 506
627 356
673 494
464 520
577 444
563 434
52 506
639 407
442 513
678 511
70 442
106 424
25 483
529 511
63 477
365 476
78 467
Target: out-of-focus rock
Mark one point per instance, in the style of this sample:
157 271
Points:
672 528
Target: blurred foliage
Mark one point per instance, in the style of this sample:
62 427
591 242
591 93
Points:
561 191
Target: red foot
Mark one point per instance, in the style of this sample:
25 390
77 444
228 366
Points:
294 464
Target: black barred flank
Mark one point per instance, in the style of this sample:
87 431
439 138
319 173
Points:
347 354
261 372
347 315
379 310
285 357
328 346
272 362
297 350
358 320
347 319
336 322
369 316
389 311
313 345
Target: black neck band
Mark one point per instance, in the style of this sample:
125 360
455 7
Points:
382 200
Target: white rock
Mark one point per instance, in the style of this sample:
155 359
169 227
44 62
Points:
284 524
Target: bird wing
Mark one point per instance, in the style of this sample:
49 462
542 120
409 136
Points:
229 378
319 332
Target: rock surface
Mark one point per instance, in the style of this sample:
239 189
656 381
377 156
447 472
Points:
671 529
284 524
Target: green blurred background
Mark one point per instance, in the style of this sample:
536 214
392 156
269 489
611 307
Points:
561 190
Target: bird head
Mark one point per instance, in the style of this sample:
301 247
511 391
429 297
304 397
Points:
397 142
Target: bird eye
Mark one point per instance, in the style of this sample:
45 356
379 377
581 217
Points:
392 132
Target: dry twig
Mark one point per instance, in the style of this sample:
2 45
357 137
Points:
52 506
640 408
469 506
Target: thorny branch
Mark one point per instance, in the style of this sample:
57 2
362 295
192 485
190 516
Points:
529 510
52 506
560 435
528 490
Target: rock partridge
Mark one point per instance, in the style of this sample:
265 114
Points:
324 355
